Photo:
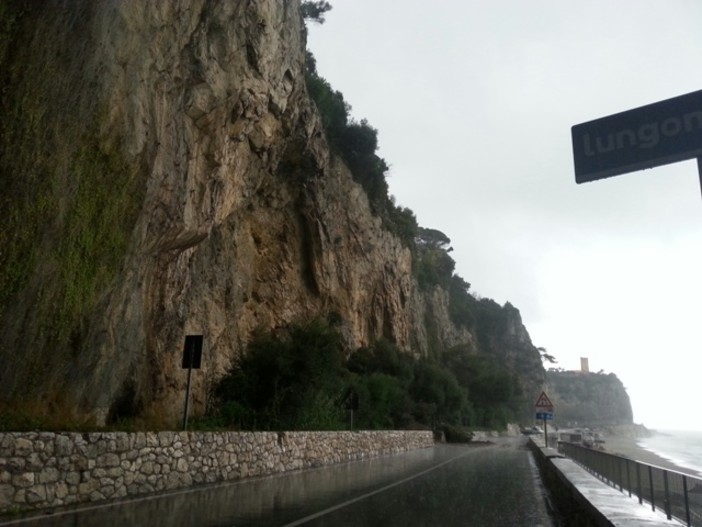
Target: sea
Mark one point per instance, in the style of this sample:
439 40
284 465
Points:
684 448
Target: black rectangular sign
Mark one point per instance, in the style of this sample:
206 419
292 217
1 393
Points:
192 352
645 137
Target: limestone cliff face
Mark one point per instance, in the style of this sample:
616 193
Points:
240 217
588 399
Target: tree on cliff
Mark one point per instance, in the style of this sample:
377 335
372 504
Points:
434 239
314 11
546 356
433 265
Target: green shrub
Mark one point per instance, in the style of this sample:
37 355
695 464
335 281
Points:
382 401
437 395
456 434
382 357
298 379
287 381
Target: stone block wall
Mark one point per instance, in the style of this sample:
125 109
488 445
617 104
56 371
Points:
46 469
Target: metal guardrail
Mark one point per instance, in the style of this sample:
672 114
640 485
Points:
676 494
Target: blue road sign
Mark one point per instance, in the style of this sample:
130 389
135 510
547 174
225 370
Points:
653 135
544 416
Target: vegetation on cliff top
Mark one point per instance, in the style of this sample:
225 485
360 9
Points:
357 143
314 11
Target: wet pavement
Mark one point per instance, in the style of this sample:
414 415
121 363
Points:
488 485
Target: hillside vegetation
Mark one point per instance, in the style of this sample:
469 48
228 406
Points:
301 379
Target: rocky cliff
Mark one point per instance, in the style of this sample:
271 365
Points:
165 173
588 399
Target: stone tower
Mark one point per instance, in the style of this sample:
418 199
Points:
584 365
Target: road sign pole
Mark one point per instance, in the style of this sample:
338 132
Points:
699 170
544 411
192 355
545 432
187 398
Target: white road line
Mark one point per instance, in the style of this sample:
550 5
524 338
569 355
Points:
369 494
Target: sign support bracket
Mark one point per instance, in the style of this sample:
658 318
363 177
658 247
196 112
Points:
187 398
192 356
545 432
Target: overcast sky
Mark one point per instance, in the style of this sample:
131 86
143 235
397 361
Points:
474 102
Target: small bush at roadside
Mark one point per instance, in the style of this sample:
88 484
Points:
456 434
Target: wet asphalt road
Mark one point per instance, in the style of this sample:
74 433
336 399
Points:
493 485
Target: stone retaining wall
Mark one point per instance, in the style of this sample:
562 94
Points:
43 469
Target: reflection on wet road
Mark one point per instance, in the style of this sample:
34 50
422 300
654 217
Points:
495 485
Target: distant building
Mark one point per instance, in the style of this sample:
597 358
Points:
584 365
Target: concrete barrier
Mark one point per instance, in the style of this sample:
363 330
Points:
582 500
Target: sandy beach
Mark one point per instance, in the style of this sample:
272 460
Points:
626 446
